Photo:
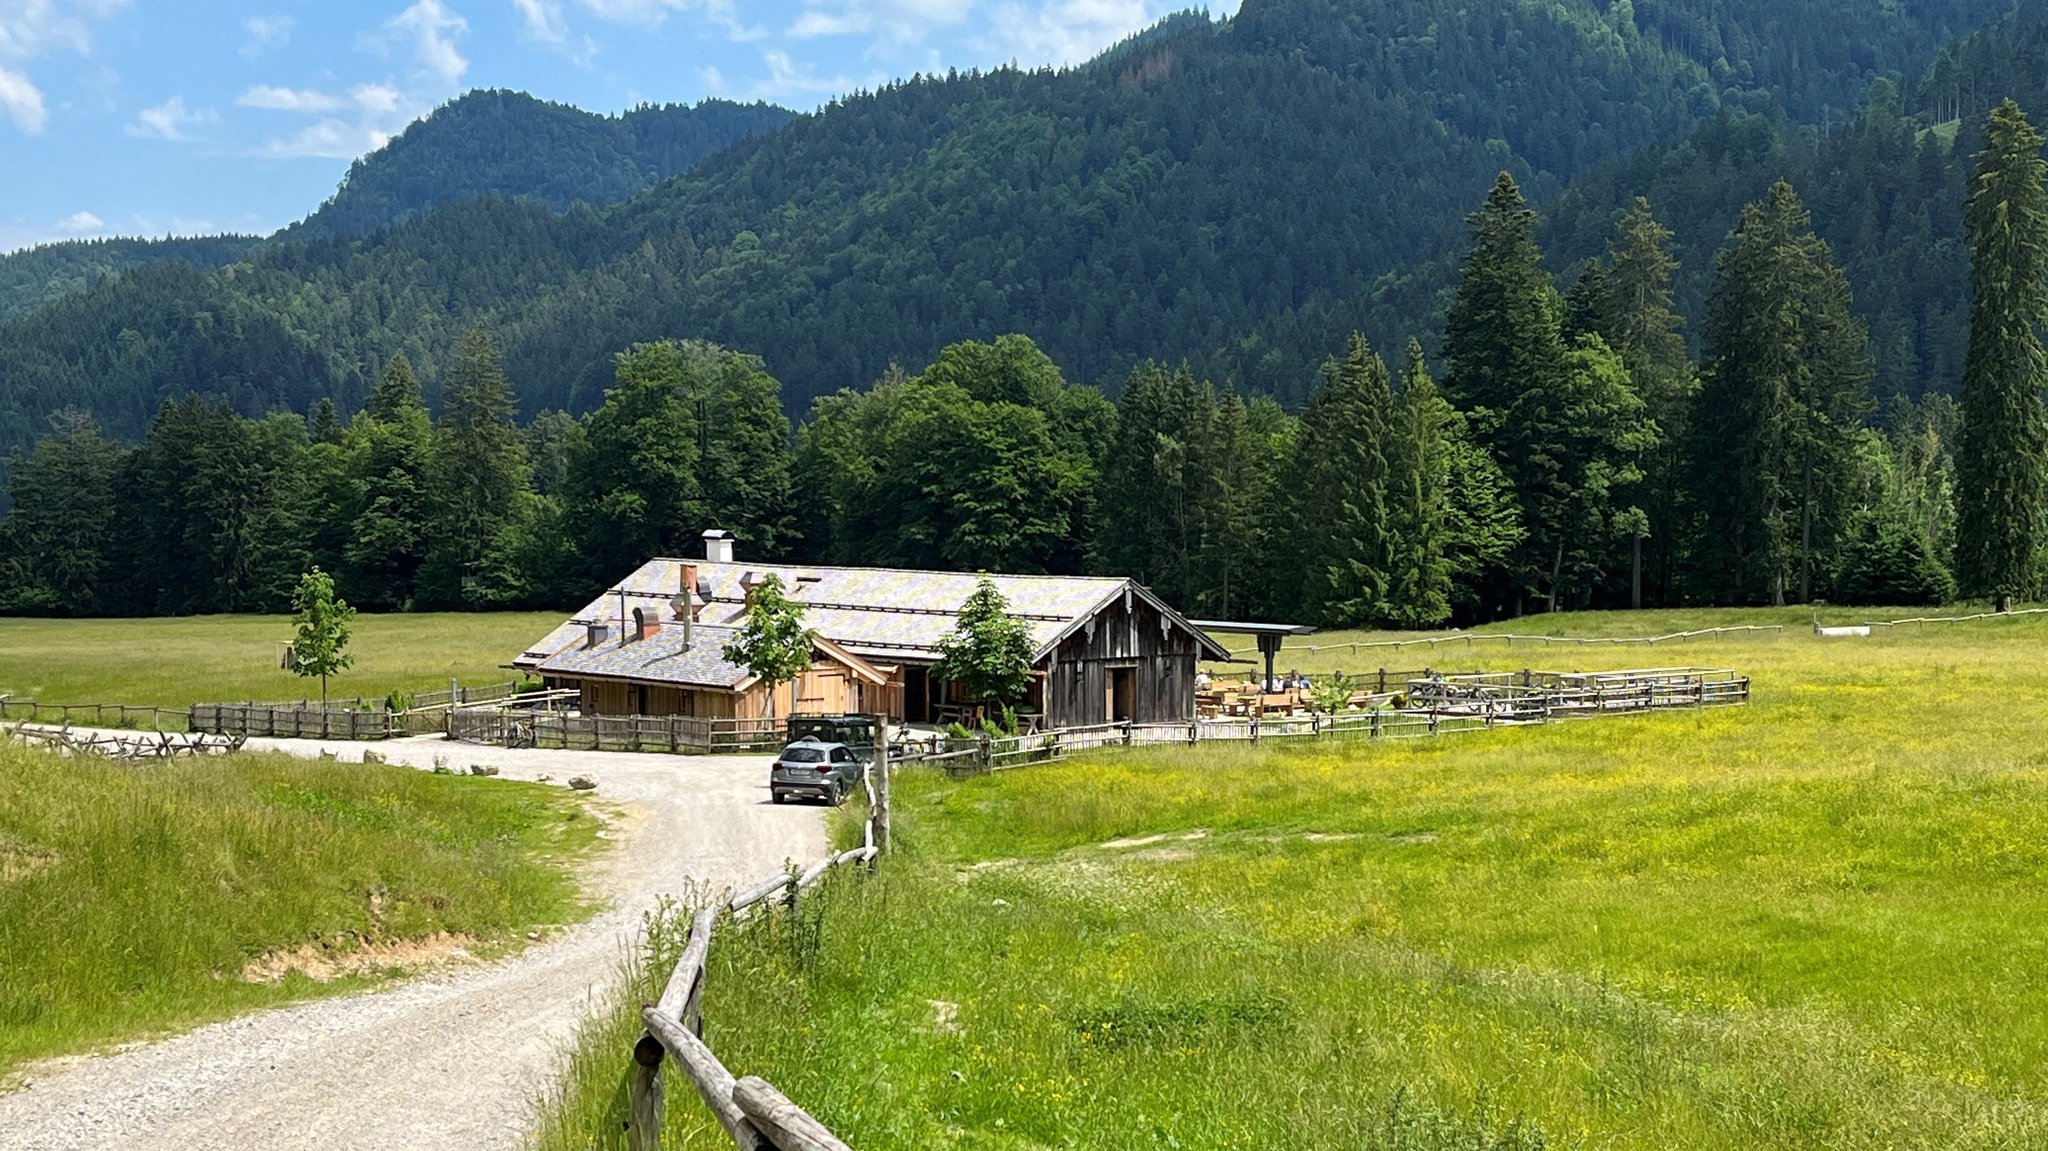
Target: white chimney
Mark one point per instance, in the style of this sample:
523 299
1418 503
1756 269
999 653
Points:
718 546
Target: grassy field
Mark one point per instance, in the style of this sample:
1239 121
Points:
1811 923
134 899
206 659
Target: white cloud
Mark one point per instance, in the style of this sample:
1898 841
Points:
544 22
432 28
288 99
376 100
169 120
1062 31
265 33
722 14
23 102
33 28
80 222
814 23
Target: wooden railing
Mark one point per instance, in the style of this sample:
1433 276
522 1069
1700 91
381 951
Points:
1440 705
297 720
753 1113
524 727
1470 640
95 714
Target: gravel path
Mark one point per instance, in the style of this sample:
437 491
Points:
450 1061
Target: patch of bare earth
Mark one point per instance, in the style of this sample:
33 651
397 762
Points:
22 862
324 962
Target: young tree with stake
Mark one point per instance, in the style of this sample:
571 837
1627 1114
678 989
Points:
774 645
321 646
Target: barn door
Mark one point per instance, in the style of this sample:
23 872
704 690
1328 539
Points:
1120 690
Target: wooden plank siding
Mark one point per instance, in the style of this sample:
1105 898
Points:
1125 640
826 689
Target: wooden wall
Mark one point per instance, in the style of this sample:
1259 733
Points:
827 689
1126 636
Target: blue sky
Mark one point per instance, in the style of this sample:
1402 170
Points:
144 117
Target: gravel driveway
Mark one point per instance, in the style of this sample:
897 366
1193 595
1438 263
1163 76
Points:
450 1061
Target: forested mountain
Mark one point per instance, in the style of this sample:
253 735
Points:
485 143
501 143
1236 193
36 276
1886 189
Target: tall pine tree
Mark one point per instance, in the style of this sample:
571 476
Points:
1643 328
1338 488
476 481
2003 469
1785 391
1418 477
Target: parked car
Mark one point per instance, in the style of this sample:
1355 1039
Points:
855 731
817 769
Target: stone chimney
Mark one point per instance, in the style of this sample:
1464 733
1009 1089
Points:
646 621
718 546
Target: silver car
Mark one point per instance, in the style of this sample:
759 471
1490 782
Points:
815 769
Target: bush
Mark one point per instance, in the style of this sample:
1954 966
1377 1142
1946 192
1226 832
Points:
1888 561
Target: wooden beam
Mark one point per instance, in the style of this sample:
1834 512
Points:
685 987
785 1124
710 1077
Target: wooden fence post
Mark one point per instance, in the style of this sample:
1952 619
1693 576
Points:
881 816
1255 722
643 1097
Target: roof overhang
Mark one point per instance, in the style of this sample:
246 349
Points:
1136 590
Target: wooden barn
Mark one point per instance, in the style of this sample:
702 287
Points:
1106 649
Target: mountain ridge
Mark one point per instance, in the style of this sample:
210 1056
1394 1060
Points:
1173 199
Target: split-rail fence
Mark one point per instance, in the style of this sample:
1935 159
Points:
753 1113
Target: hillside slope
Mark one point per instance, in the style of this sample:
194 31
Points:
501 143
1187 188
484 143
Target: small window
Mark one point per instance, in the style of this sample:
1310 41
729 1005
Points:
841 755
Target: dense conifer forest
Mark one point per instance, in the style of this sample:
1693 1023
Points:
1394 314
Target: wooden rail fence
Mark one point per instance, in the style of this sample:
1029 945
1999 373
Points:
518 727
1469 639
122 744
98 714
753 1113
1439 705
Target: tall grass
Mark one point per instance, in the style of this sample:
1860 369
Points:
1811 923
133 895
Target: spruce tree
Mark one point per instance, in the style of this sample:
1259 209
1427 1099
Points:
1153 480
1785 390
476 479
1644 330
1338 492
2003 468
1418 475
1502 331
386 458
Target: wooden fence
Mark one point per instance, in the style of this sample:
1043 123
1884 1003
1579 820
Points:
95 714
753 1113
121 745
297 721
1439 705
1471 640
514 727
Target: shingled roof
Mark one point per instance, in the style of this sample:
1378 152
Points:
885 614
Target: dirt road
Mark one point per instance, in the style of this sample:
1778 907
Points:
451 1061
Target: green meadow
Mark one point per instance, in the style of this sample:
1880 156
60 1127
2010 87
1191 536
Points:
1814 922
174 662
142 898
